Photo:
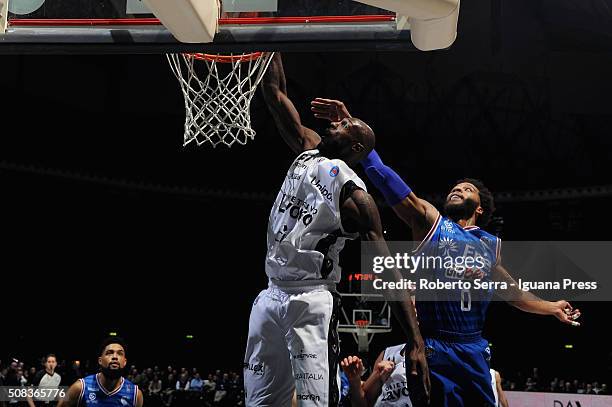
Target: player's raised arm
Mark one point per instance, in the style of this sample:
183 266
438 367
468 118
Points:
381 372
353 368
528 302
72 395
286 116
359 212
417 213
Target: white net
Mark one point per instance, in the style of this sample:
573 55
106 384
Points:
218 91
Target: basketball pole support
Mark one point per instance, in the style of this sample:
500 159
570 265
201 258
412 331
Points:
433 23
3 15
190 21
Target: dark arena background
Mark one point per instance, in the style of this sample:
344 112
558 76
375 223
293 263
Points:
110 225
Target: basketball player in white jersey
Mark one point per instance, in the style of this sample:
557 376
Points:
386 386
293 338
500 397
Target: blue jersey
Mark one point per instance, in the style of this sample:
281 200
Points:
456 311
93 394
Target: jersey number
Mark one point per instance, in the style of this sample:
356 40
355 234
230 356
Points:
466 300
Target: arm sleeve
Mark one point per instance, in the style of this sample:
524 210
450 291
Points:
387 181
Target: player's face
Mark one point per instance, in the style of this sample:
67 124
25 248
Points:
461 192
338 139
113 357
462 202
51 363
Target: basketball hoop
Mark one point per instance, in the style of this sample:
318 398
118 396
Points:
362 323
218 90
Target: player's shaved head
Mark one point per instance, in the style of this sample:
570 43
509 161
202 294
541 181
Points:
351 140
362 133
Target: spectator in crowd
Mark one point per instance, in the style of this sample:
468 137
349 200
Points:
589 389
155 386
531 385
596 387
168 389
12 379
183 382
196 383
30 376
154 393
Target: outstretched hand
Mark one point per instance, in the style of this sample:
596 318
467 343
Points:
329 109
565 313
353 368
384 368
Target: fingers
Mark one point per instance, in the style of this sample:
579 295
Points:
325 101
426 382
413 368
352 365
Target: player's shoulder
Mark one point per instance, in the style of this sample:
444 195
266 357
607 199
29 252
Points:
128 382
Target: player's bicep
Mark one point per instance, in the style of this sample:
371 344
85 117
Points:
72 395
139 399
360 214
419 214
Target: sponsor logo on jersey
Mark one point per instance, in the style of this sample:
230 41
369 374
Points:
302 355
92 396
335 170
395 394
258 369
322 188
311 397
297 209
308 376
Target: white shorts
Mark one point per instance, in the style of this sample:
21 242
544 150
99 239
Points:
293 345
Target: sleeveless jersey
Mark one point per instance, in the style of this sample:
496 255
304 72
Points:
305 234
456 311
395 391
94 395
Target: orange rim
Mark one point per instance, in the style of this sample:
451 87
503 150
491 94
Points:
226 59
362 323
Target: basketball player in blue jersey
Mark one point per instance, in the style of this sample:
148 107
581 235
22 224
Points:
107 388
293 339
452 321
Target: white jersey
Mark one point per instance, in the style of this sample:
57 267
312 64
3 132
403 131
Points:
305 234
395 390
494 384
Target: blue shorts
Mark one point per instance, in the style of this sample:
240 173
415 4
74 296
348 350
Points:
460 373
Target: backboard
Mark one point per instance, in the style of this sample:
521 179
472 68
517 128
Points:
116 26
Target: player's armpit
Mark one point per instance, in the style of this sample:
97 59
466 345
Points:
373 386
287 119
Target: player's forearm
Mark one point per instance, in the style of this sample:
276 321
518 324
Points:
372 388
399 300
534 305
358 398
385 179
523 300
